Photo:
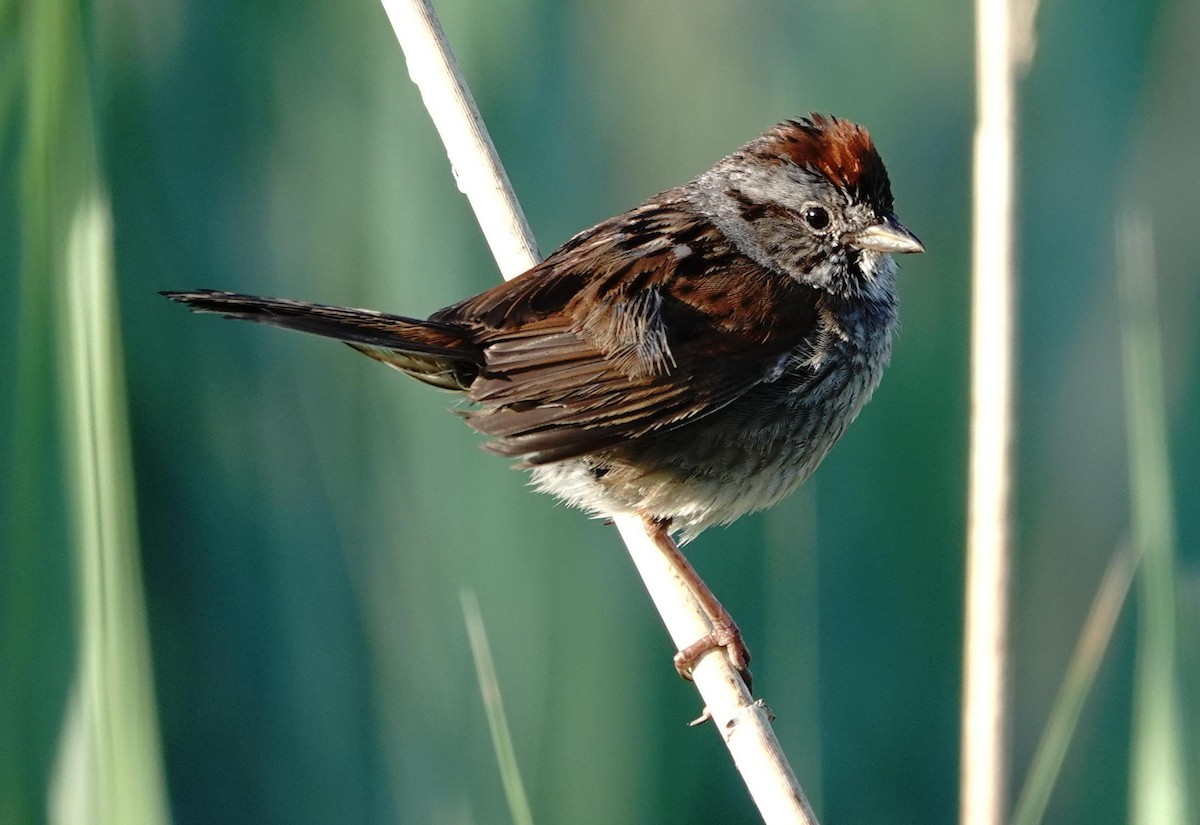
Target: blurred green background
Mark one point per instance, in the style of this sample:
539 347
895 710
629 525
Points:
307 519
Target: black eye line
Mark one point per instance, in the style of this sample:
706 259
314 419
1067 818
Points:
800 215
753 210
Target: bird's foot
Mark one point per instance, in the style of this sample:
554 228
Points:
724 636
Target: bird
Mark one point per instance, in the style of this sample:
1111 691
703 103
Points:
688 361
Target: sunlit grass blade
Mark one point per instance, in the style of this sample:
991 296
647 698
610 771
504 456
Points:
489 685
1077 684
1158 774
109 768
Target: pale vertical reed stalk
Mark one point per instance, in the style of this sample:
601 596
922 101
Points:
743 723
1003 41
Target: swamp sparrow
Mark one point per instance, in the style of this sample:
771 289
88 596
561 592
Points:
688 361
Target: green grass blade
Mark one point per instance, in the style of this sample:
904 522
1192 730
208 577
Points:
109 768
489 685
1077 684
1158 774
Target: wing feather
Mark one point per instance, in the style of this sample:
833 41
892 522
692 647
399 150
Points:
641 324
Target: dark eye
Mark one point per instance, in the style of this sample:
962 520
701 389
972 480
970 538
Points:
816 216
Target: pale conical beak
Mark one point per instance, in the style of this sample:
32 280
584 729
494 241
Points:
889 235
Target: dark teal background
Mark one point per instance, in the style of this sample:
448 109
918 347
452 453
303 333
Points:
308 518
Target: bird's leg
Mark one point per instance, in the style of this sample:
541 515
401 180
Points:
724 634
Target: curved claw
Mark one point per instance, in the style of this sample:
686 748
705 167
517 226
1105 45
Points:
726 637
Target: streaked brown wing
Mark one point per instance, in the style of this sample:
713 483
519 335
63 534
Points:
608 339
572 401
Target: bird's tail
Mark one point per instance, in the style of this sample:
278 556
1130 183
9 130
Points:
435 353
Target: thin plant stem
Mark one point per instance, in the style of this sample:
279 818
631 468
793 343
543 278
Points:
744 724
493 704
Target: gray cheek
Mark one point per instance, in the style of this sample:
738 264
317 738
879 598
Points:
774 244
770 244
819 271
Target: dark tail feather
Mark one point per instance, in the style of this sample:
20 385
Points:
438 354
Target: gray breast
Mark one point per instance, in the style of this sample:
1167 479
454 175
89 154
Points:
753 452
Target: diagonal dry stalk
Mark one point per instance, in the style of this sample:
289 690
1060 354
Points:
744 724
